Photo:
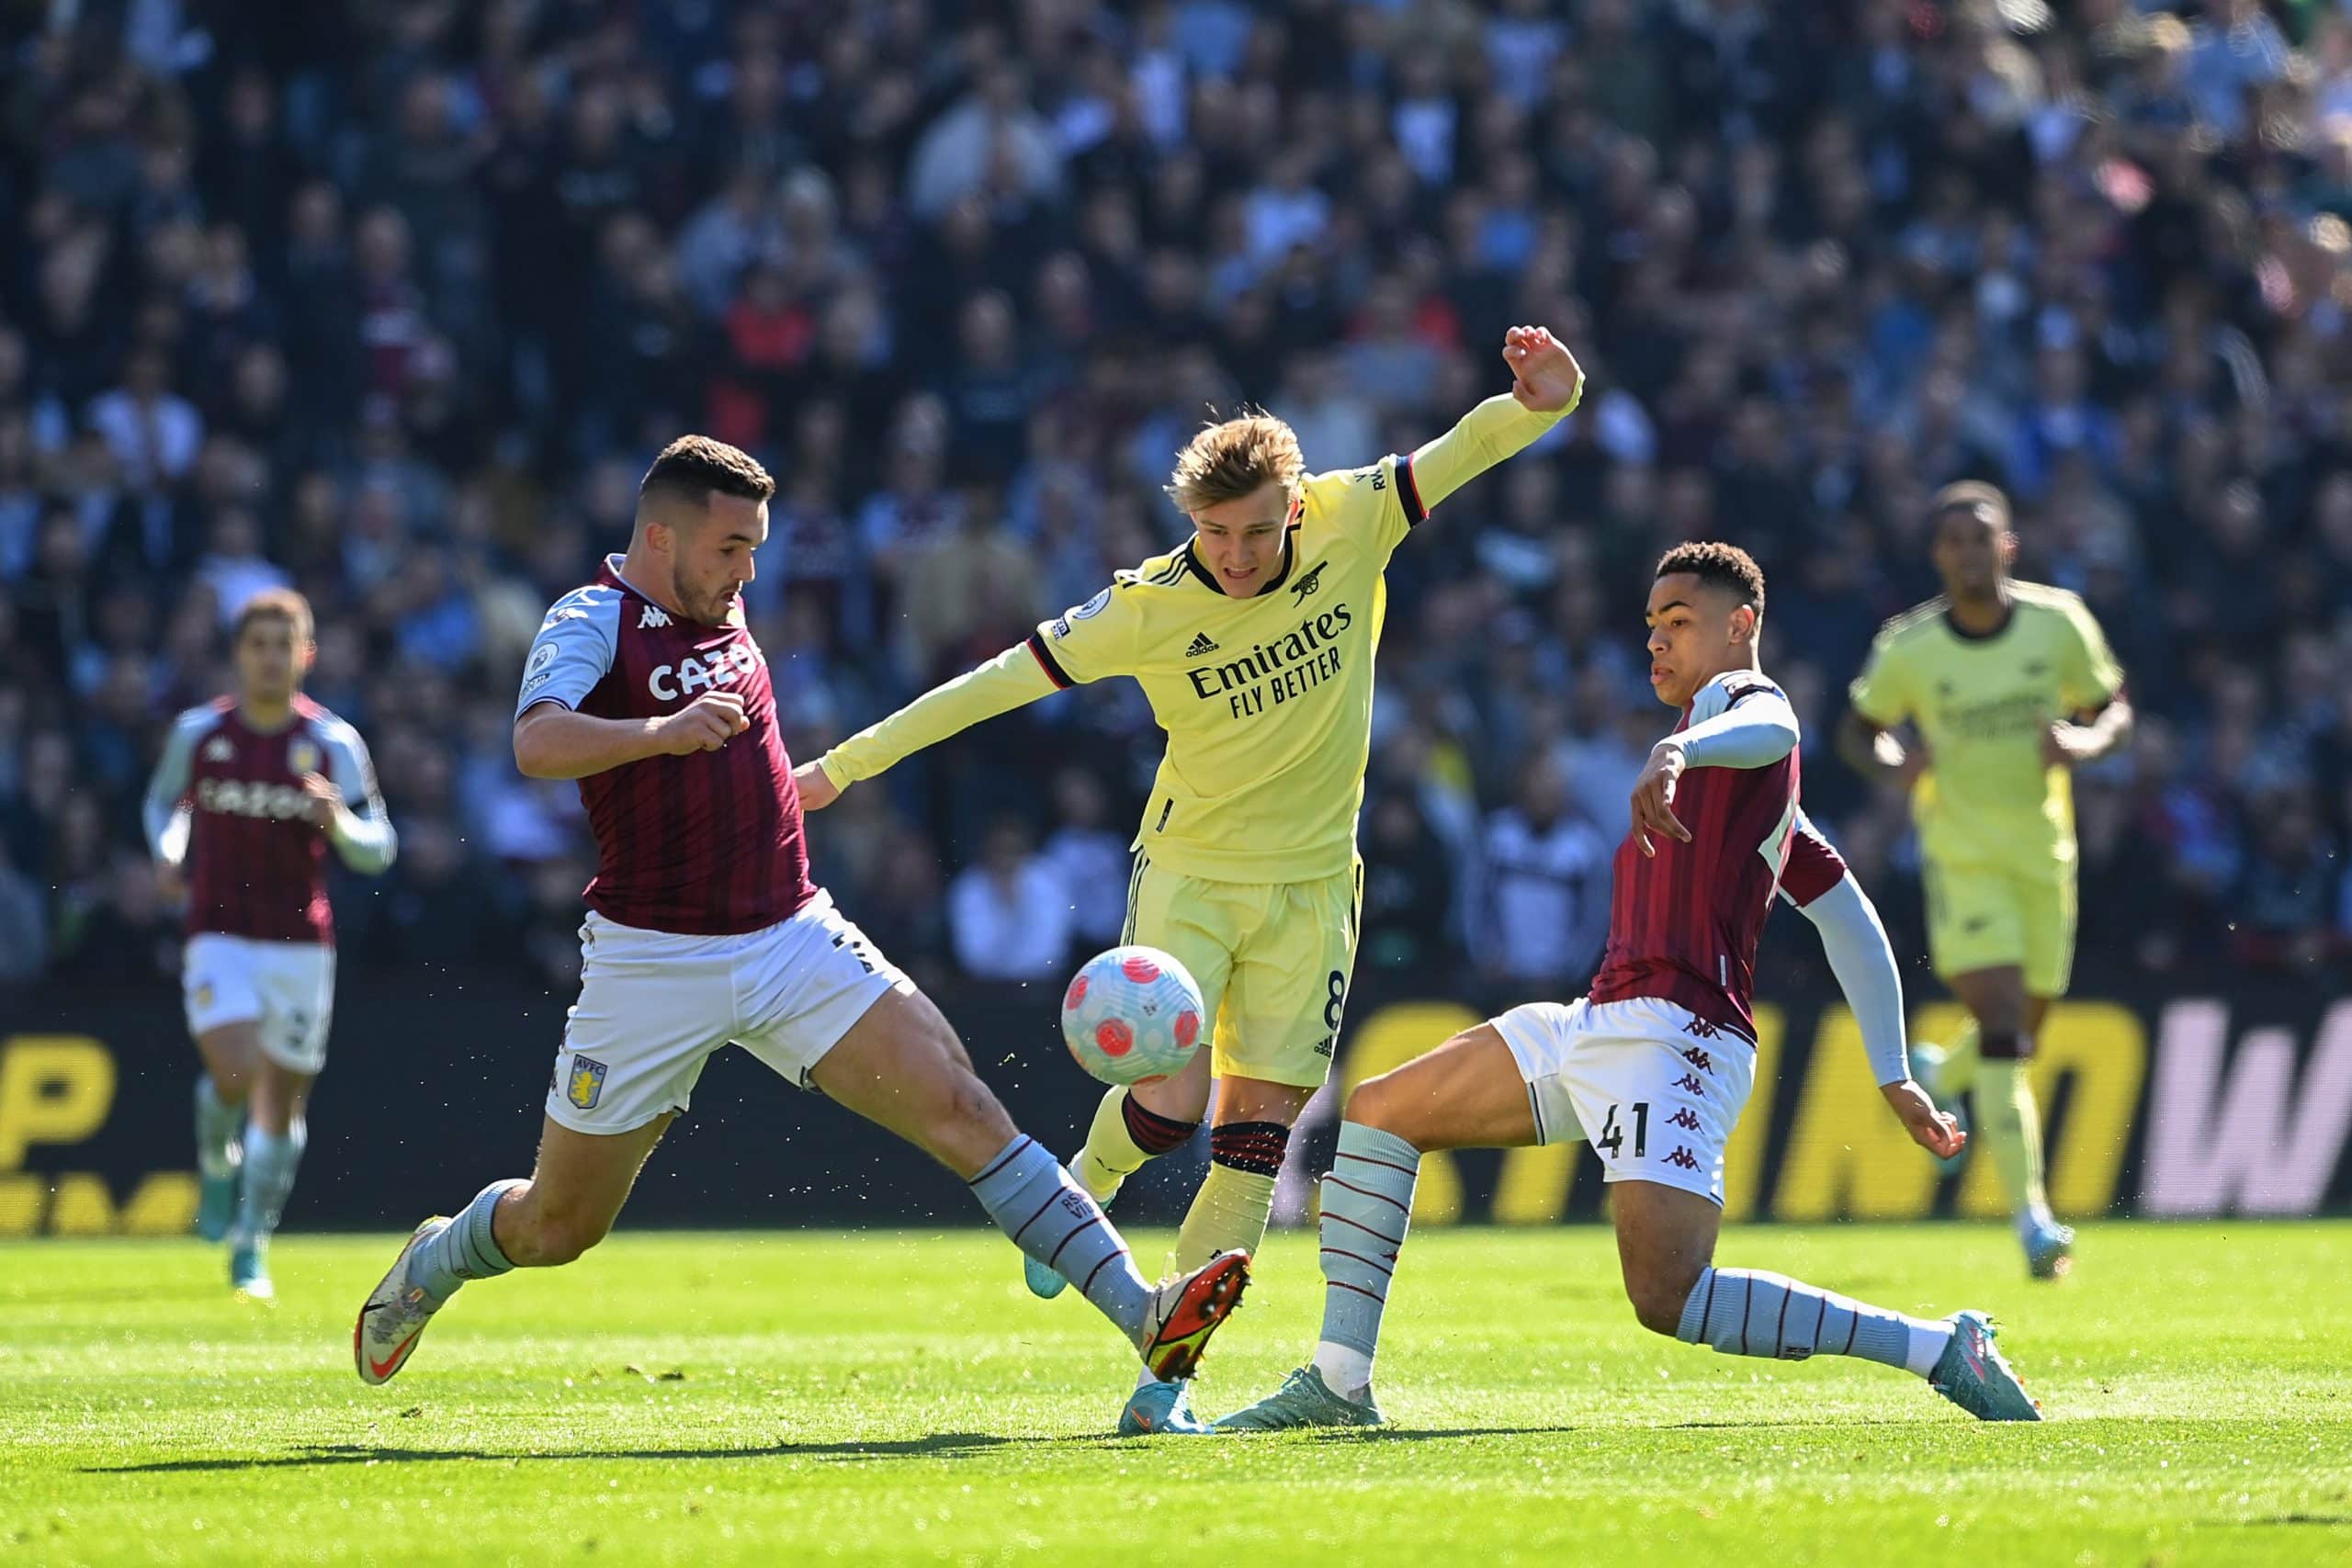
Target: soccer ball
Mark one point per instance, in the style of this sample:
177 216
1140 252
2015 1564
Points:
1132 1015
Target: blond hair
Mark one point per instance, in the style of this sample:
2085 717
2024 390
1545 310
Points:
1224 462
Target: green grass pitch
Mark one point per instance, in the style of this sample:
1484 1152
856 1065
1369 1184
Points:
799 1397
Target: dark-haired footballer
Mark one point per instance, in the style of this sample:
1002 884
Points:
1653 1066
704 929
2007 687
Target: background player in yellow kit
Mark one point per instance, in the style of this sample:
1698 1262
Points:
1254 644
2008 685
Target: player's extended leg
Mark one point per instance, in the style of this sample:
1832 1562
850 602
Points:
901 1067
276 1135
2008 1122
575 1192
232 1053
1465 1094
1666 1244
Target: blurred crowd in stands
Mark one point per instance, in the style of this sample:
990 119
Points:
394 306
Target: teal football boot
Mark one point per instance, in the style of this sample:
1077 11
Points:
1974 1375
1304 1400
1158 1407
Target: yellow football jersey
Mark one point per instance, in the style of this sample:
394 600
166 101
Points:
1267 700
1982 704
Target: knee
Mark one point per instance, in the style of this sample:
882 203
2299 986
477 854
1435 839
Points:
959 1112
547 1238
1658 1294
1379 1103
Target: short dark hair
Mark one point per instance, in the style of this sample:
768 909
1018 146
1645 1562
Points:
694 467
281 603
1727 567
1972 496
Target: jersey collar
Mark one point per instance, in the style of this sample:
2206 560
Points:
2008 619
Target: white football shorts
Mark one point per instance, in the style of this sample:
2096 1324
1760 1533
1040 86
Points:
1654 1088
284 987
654 1005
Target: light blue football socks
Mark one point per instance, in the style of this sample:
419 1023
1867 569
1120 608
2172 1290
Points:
1050 1217
1745 1311
271 1159
466 1248
1367 1203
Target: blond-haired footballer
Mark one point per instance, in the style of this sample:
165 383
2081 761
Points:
1254 643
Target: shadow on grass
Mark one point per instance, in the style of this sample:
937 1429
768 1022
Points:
320 1455
938 1444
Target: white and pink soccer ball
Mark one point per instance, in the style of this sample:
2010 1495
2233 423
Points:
1132 1015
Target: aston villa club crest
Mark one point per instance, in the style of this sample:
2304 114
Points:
585 1085
303 755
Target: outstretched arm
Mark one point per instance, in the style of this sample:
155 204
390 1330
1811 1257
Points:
1012 679
1545 386
1863 961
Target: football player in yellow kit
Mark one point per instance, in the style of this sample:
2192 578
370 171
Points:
1254 643
2008 687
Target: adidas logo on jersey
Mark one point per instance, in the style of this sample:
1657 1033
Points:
1201 646
654 616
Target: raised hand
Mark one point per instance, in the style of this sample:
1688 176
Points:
1543 375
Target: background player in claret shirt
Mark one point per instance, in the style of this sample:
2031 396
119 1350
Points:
705 929
1254 644
247 795
1653 1066
2008 685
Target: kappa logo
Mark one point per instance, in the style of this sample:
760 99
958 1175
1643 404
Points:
1682 1157
2036 667
1688 1084
220 749
1683 1119
585 1086
1305 586
654 616
1201 646
1700 1059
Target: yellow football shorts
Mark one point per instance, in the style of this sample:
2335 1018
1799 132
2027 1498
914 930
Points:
1272 961
1982 917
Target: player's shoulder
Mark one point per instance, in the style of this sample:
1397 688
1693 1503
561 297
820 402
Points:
196 722
325 722
2045 600
594 601
1729 688
1915 624
1338 493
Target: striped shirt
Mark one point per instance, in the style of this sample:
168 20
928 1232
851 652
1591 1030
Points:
707 844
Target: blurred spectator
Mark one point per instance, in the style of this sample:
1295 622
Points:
399 322
1010 916
1088 859
1538 910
